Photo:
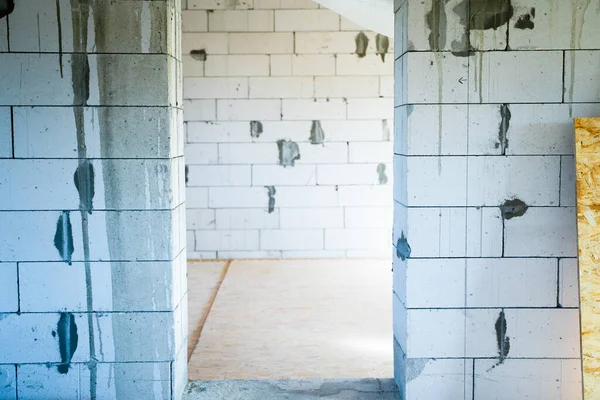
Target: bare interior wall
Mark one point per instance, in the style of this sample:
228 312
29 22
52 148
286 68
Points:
289 121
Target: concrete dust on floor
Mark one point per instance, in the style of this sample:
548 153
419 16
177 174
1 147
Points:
297 319
364 389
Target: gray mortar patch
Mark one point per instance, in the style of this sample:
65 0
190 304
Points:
382 178
256 129
289 152
362 42
317 135
63 237
67 340
382 45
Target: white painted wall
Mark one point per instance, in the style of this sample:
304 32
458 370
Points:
285 64
476 274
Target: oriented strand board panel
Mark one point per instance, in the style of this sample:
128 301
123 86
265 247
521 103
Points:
587 135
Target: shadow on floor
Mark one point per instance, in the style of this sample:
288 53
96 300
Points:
363 389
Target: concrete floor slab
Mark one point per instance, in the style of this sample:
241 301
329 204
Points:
364 389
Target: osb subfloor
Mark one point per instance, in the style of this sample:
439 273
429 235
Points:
293 319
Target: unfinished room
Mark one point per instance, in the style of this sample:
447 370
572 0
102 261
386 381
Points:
298 199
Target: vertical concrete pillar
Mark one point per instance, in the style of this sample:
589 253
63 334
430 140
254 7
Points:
92 241
485 274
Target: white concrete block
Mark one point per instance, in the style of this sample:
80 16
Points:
227 240
326 154
198 154
9 296
219 4
494 180
212 43
215 88
8 377
35 381
192 67
433 130
261 43
568 190
281 64
357 239
306 20
580 85
436 181
514 282
313 254
194 21
436 333
4 36
245 255
365 195
219 175
434 232
452 71
249 110
241 21
386 86
368 217
380 152
515 77
313 65
484 129
371 108
247 218
528 379
291 239
300 175
191 241
6 133
331 42
352 174
358 130
307 218
547 25
199 110
34 333
541 129
281 87
305 109
285 4
346 87
218 132
196 197
237 65
347 25
447 276
485 232
42 283
200 219
34 80
350 65
202 255
533 333
306 196
158 345
439 379
248 153
240 197
568 282
545 232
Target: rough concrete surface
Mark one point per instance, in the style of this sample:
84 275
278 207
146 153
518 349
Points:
364 389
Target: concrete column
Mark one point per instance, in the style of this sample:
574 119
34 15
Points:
92 247
485 274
